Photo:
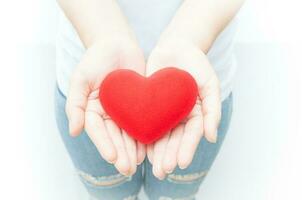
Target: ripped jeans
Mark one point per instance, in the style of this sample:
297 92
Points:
103 182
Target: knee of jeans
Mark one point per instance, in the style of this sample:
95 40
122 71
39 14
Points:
131 197
191 197
187 178
103 181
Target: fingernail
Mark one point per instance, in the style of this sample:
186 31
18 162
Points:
140 162
214 137
71 129
127 173
71 132
183 166
111 161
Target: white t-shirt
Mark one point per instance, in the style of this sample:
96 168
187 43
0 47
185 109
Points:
148 19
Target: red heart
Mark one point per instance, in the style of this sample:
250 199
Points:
148 107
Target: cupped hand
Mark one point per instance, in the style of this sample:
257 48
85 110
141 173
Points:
179 145
83 107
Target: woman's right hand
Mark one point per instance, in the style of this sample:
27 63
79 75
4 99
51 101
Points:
83 107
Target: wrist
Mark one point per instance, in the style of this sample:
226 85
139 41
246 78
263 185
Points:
197 38
176 44
115 39
100 38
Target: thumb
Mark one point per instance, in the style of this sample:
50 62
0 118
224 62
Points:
76 103
211 108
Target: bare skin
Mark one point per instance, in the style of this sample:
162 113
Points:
111 44
184 44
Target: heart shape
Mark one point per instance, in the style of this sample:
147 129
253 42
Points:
148 107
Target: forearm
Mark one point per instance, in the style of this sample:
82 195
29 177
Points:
200 21
95 19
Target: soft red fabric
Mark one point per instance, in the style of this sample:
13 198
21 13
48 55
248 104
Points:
148 107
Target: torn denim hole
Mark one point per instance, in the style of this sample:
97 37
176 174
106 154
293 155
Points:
104 181
186 178
93 198
132 197
191 197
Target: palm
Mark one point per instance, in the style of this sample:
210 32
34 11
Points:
178 146
109 138
83 104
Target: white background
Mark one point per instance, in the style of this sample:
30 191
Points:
260 159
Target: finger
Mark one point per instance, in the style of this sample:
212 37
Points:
96 130
159 151
131 151
122 163
192 134
150 152
211 109
141 152
170 157
76 103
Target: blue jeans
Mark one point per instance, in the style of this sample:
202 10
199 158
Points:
103 181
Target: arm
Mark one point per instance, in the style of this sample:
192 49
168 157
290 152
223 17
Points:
184 44
201 21
95 19
110 44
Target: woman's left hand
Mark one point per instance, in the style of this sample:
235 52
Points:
179 145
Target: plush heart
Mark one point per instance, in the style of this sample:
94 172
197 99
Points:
148 107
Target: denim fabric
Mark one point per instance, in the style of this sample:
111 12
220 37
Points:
103 182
